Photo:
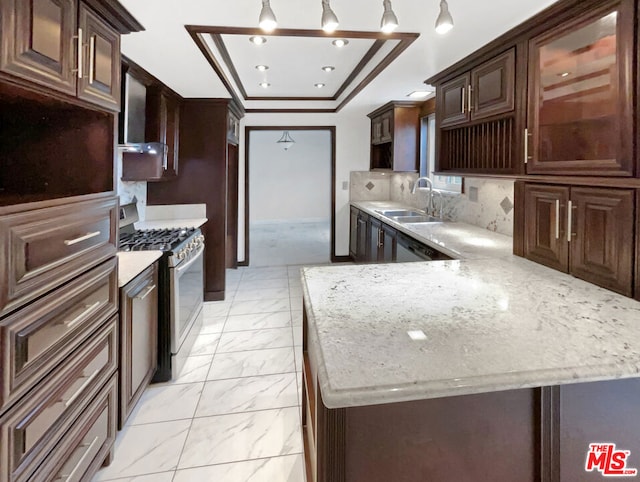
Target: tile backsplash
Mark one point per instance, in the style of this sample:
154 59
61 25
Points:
128 190
487 203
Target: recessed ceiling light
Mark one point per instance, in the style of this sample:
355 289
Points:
340 42
328 68
262 68
264 85
319 85
258 40
419 94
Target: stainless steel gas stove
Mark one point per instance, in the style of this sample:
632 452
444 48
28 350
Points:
181 284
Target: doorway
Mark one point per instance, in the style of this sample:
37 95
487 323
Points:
289 196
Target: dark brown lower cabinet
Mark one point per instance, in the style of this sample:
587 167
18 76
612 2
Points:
138 339
527 435
585 231
382 242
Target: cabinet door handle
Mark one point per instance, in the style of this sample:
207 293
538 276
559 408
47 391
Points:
92 52
557 218
464 102
71 242
89 308
80 52
526 145
469 100
146 293
569 221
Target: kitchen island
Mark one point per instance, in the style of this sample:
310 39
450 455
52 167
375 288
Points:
484 369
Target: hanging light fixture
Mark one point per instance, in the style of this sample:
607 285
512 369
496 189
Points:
267 19
444 22
389 20
329 19
286 141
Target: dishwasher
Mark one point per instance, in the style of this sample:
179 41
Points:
409 250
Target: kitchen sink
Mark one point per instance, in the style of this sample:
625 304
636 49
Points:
400 212
416 219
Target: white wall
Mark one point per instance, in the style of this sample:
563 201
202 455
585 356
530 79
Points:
352 154
290 185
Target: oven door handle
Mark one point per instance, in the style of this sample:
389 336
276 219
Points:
183 267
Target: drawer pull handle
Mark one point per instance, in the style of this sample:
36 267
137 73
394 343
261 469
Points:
146 293
80 463
81 389
71 242
77 319
557 219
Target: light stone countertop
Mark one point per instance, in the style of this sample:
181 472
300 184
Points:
490 325
170 223
132 263
458 240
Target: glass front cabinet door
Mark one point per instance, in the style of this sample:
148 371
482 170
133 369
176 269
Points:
580 119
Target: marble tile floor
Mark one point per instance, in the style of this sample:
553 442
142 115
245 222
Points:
234 413
289 243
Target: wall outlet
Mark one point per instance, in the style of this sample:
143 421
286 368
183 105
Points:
345 185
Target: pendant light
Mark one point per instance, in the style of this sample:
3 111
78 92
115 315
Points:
444 22
389 20
267 19
329 19
286 141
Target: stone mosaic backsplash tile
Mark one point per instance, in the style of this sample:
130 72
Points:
369 186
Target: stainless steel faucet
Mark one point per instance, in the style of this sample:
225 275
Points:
430 186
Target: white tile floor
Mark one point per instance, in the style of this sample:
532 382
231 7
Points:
289 244
234 413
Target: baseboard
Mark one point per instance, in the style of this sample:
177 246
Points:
214 295
341 259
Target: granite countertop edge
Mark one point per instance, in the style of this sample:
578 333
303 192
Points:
132 263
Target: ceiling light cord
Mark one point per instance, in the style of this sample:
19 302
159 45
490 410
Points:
444 22
389 20
267 20
329 19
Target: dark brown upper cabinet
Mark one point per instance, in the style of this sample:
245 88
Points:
100 79
580 86
585 231
395 133
485 91
39 43
64 46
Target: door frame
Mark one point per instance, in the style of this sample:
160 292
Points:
247 138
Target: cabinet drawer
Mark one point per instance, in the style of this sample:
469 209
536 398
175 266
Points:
84 447
45 247
30 430
38 337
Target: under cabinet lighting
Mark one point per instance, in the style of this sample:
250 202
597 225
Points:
340 42
419 94
565 74
258 40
